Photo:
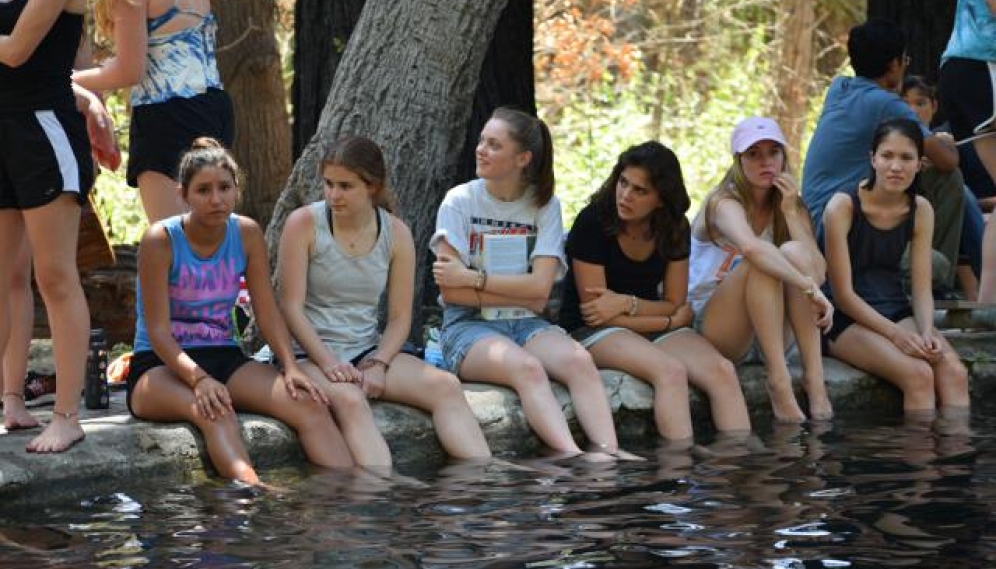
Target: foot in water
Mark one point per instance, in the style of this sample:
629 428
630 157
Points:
15 414
60 435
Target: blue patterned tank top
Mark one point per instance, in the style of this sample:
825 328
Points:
179 64
202 290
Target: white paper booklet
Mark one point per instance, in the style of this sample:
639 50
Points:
505 255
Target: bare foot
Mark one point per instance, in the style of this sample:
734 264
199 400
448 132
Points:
61 434
598 457
15 415
820 408
783 404
626 455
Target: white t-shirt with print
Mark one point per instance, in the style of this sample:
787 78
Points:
468 212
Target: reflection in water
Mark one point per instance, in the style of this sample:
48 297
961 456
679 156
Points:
820 495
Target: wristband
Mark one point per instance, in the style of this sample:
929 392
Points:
482 279
199 379
369 362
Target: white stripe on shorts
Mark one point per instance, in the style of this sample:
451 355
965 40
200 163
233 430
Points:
68 166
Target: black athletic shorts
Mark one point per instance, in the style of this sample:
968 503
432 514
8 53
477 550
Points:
162 132
968 96
220 362
42 155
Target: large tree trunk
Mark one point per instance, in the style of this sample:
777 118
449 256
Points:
322 28
928 23
407 80
794 71
249 62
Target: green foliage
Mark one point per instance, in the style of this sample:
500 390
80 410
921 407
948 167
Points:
118 205
593 128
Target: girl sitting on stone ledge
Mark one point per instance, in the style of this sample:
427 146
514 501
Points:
187 365
756 270
631 240
338 257
490 330
877 328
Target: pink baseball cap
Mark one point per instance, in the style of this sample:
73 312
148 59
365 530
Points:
752 130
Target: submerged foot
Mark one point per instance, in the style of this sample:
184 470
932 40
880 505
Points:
15 415
784 406
60 435
820 408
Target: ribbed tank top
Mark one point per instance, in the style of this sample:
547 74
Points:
875 259
343 292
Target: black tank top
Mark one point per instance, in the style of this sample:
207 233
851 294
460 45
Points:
875 259
43 81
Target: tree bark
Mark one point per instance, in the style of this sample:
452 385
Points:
406 80
322 29
249 62
794 71
928 23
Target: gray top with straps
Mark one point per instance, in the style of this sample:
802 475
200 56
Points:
343 291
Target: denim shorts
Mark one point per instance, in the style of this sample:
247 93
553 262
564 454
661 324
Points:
463 327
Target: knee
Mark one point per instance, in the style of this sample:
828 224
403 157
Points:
669 375
920 380
723 374
57 282
955 372
528 374
349 402
801 258
445 388
226 426
578 363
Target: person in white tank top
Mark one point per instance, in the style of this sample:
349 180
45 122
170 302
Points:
756 269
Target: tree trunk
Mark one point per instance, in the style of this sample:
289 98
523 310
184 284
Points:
794 71
406 80
928 23
322 28
249 62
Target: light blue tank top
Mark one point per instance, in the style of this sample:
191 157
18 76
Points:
181 64
202 291
974 32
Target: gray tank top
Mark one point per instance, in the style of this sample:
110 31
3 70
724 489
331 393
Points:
343 291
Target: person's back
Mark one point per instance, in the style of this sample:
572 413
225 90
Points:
837 158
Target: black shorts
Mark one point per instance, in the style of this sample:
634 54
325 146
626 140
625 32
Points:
968 96
42 155
842 322
162 132
220 362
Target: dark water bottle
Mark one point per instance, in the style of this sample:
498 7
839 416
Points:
95 392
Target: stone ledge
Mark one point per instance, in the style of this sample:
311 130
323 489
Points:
120 448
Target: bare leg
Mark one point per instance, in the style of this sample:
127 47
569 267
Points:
498 360
567 362
15 356
355 418
986 149
159 196
160 396
635 355
258 388
411 381
53 228
807 335
872 352
950 379
709 371
749 303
